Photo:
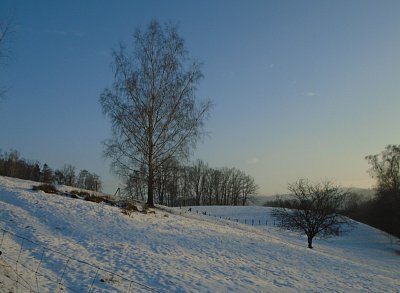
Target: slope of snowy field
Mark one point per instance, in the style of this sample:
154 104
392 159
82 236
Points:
89 247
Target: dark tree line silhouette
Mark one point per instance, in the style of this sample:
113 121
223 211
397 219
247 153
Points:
13 165
382 211
196 184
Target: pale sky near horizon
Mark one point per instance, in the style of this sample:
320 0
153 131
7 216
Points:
301 88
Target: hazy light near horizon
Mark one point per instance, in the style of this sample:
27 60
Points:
254 160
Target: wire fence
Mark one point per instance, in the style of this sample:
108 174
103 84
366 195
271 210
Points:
246 221
31 267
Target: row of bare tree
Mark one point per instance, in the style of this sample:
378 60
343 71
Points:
197 184
84 179
12 165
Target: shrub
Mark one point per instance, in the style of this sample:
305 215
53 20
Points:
146 210
127 208
84 194
74 192
77 194
93 198
48 188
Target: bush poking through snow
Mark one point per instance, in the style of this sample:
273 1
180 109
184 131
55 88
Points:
74 193
146 210
48 188
128 208
84 194
96 199
99 199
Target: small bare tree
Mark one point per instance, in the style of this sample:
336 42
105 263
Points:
249 188
152 104
313 209
68 171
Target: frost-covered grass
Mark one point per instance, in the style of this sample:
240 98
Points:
173 250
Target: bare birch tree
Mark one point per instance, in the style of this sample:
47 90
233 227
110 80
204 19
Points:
152 104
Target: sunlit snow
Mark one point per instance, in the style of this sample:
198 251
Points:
177 250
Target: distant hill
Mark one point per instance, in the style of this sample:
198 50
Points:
368 193
260 200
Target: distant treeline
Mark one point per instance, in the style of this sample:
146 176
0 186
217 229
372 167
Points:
351 202
12 165
381 211
197 184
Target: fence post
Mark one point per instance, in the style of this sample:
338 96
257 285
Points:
130 285
2 239
62 275
16 264
94 279
37 270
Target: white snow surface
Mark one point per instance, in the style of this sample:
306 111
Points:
174 250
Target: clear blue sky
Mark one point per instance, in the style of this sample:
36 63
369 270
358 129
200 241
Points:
301 88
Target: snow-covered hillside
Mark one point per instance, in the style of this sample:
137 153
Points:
81 244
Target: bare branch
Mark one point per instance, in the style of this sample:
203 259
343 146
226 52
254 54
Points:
152 105
7 31
314 209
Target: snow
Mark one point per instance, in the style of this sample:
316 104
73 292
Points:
174 250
